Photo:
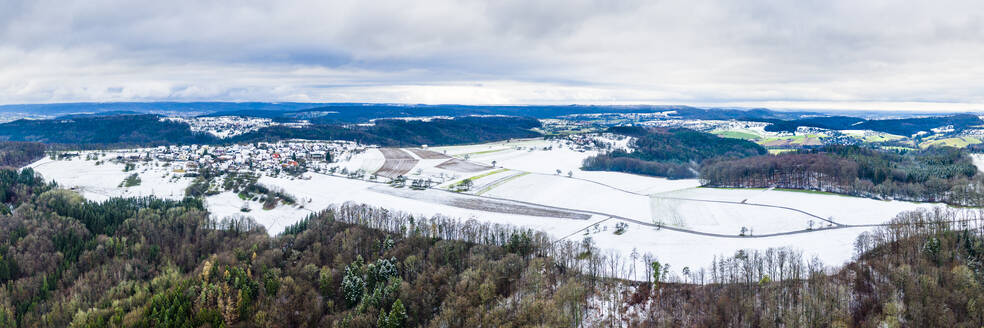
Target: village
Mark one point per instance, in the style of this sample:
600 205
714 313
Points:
230 126
256 158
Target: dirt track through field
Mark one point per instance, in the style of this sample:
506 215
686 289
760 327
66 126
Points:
427 154
743 203
458 165
398 162
481 204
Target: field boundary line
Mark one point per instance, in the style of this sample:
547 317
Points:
500 182
707 200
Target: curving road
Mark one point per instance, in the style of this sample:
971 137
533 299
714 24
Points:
705 200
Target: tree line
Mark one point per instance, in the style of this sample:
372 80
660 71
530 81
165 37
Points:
669 152
18 154
937 174
901 126
922 270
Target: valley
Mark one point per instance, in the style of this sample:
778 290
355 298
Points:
533 183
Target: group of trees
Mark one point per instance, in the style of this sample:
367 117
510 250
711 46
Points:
17 154
18 186
669 152
938 174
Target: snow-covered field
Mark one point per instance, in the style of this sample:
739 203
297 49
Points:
837 208
529 156
561 191
102 181
679 249
322 191
524 189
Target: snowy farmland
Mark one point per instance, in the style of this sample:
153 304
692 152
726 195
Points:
530 183
100 179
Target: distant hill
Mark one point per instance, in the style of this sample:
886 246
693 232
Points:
150 130
904 126
669 152
334 113
101 123
358 113
151 107
142 129
109 113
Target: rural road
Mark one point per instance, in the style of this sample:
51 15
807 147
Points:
705 200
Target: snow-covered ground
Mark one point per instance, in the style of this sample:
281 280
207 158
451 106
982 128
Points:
528 155
524 189
561 191
978 161
369 161
100 182
838 208
322 191
228 204
679 249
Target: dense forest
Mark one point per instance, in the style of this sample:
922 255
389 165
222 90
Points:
937 174
145 262
461 130
150 130
17 154
669 152
136 130
904 126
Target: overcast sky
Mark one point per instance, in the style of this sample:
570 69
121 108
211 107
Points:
783 54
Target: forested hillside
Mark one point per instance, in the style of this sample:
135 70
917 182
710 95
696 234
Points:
17 154
903 126
461 130
938 174
674 153
145 262
153 263
65 261
150 130
119 130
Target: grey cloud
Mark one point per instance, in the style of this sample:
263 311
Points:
661 51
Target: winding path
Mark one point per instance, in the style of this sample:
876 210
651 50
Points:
706 200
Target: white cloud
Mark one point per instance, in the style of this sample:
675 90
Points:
880 54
